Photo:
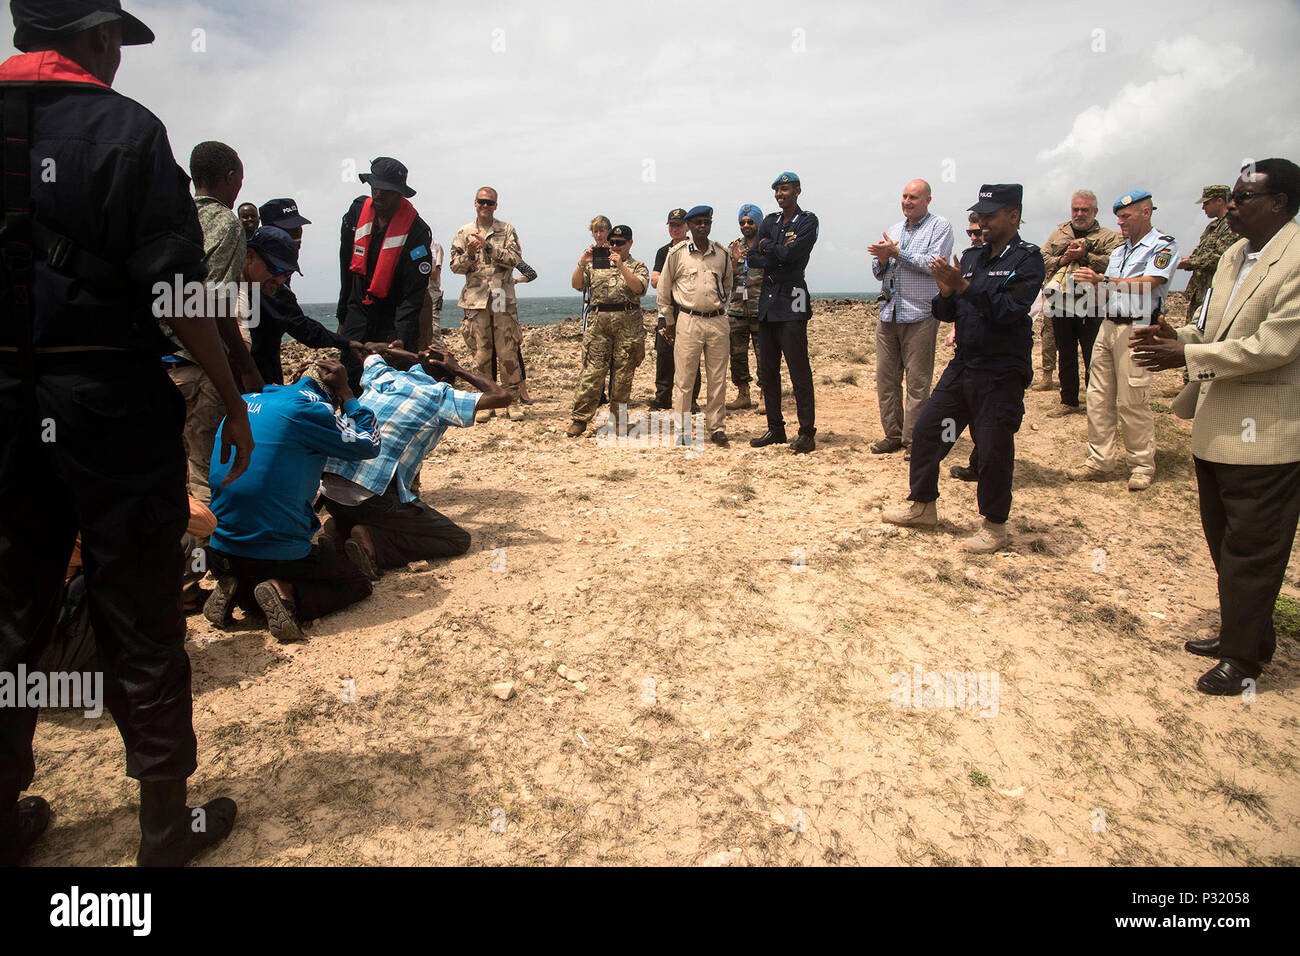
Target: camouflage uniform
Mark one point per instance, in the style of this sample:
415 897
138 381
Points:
742 313
1098 244
618 334
1204 259
488 300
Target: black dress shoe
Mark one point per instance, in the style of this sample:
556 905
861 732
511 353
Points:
1206 648
1224 679
768 438
803 444
963 473
719 438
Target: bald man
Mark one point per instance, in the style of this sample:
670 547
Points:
907 329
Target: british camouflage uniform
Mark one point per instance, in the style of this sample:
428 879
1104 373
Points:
742 313
615 335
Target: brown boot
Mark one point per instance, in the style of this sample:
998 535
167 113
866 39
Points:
914 515
742 399
576 429
988 539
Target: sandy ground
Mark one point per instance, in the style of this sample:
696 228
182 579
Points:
735 619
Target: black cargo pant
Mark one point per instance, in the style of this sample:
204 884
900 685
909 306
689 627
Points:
1073 334
664 372
1249 515
401 532
992 403
323 582
106 459
791 340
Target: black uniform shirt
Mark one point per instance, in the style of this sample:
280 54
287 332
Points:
994 330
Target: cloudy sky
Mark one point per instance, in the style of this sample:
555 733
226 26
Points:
628 109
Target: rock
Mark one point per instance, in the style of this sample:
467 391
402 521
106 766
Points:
574 675
419 566
505 690
730 857
562 670
530 674
627 751
581 687
455 626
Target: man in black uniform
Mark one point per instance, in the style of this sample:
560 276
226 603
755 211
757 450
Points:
385 258
784 243
984 385
92 436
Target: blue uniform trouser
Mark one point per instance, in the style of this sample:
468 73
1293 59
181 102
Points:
992 403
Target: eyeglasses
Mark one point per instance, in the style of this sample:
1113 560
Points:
486 202
974 232
1240 198
618 242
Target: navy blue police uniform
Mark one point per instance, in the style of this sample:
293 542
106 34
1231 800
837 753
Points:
984 385
781 249
97 212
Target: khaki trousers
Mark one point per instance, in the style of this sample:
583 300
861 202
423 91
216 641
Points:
904 349
712 337
500 330
203 414
1118 394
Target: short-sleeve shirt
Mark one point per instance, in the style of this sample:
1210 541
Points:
1155 254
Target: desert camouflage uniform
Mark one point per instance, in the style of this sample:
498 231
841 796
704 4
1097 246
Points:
488 300
1204 259
620 335
742 313
1098 243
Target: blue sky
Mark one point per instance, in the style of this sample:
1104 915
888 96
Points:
629 109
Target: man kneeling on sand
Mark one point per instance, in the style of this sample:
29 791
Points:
375 518
262 553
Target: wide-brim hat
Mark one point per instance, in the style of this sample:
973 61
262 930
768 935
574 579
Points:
39 21
387 173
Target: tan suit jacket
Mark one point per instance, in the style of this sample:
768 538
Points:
1243 359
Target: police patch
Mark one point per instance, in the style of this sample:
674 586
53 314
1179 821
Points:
426 267
1162 259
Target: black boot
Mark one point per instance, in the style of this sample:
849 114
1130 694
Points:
171 834
21 824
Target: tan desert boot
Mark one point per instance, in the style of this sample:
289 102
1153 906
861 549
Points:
914 515
515 412
742 399
988 539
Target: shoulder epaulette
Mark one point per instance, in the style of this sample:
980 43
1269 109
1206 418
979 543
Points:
1168 239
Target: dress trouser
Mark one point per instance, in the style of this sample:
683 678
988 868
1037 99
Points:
664 371
1249 515
992 403
1118 394
904 349
323 581
108 461
1073 335
401 532
791 340
711 338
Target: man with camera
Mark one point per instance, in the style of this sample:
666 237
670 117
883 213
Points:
693 291
615 336
486 252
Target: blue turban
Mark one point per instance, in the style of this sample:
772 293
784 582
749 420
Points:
752 211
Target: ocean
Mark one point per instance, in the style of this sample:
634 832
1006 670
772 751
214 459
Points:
539 310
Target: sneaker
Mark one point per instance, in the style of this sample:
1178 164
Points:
885 446
1139 482
1088 473
281 618
915 514
221 601
988 539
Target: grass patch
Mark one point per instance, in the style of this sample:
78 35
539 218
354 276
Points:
1286 617
979 778
1248 798
850 377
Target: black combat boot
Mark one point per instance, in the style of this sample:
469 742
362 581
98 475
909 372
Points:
172 834
21 824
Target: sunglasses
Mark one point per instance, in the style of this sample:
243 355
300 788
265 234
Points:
974 232
1240 197
618 242
747 221
486 202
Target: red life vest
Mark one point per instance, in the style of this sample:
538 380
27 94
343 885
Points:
389 253
45 66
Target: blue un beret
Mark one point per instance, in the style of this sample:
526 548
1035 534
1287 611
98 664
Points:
786 177
1129 199
700 211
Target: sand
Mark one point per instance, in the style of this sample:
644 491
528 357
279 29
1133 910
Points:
730 624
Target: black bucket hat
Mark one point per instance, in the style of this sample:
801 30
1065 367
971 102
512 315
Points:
387 173
37 21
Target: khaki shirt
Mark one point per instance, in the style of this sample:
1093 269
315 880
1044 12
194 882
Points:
493 267
608 286
695 280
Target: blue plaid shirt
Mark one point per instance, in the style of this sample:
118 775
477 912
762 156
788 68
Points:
412 410
906 280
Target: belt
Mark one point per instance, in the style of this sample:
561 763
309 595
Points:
614 308
703 315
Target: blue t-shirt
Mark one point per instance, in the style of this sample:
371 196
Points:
267 511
